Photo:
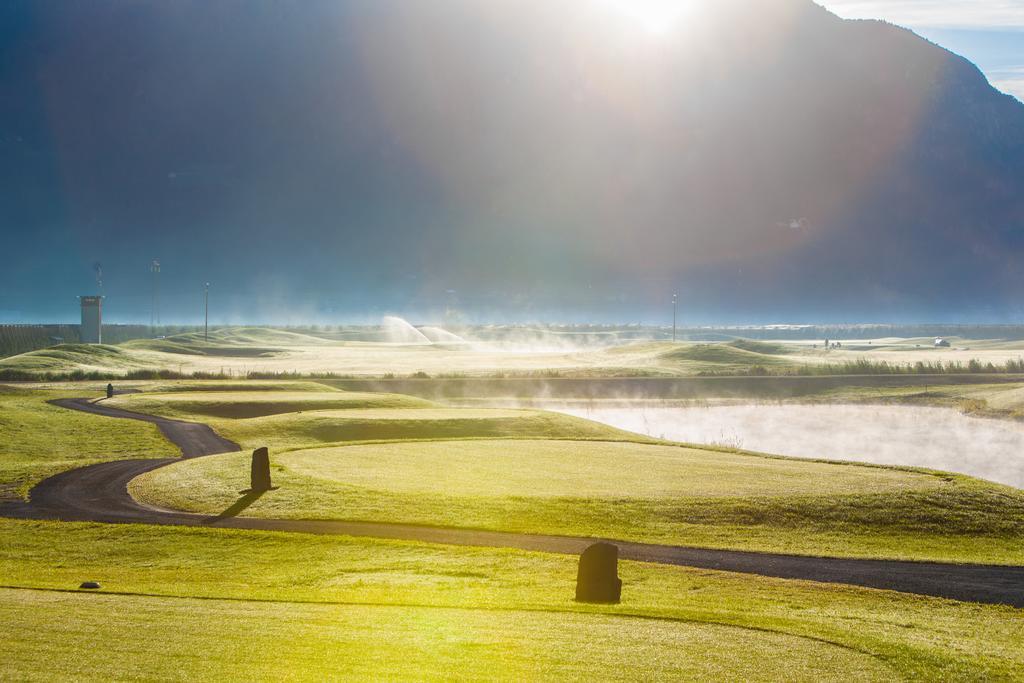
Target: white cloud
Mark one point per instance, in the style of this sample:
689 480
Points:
1010 81
1001 14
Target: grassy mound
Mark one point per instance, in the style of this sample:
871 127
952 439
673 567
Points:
246 336
309 428
245 404
243 342
719 354
294 414
653 493
760 347
200 348
66 357
224 386
686 358
559 469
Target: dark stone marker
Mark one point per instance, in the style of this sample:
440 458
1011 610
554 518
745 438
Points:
598 578
110 391
260 470
89 585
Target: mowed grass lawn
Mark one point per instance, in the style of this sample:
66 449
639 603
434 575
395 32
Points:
286 420
494 472
630 491
197 604
261 641
38 440
285 432
250 404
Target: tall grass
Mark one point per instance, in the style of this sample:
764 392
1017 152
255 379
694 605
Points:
15 375
848 368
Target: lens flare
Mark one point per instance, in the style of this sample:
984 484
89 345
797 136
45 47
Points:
658 17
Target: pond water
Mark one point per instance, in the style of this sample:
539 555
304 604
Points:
935 438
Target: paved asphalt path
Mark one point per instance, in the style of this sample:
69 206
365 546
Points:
99 493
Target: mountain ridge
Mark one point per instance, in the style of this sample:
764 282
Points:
764 158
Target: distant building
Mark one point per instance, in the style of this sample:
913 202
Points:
942 344
91 331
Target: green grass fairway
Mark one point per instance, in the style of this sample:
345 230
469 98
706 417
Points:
709 498
211 604
246 404
378 424
561 469
313 415
38 440
196 603
318 606
653 493
275 641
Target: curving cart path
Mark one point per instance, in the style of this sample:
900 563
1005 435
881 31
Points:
99 493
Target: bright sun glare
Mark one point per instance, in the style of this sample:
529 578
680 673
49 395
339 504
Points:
657 16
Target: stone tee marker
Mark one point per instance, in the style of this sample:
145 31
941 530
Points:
260 480
598 578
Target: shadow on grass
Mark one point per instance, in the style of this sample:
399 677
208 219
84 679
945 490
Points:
248 498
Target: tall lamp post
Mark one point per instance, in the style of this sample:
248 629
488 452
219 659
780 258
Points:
674 299
154 310
206 312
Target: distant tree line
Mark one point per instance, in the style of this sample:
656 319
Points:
850 368
869 367
846 332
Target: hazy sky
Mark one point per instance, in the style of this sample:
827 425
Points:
991 14
339 160
988 32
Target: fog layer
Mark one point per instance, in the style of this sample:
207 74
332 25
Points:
935 438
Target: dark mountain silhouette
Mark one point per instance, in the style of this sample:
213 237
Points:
764 156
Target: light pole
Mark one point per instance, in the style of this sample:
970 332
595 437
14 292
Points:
674 298
206 312
154 311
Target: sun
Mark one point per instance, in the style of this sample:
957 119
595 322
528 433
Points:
656 16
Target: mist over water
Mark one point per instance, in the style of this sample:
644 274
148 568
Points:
934 438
